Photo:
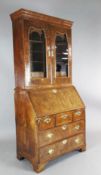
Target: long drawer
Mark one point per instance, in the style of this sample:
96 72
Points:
65 145
52 135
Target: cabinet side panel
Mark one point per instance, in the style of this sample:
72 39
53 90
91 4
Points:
20 123
26 129
18 31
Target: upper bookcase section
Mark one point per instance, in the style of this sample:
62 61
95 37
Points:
42 50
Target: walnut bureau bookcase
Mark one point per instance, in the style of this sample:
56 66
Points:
50 115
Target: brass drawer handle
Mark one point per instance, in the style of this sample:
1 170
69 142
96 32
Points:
51 151
47 120
50 135
64 116
54 91
77 127
64 141
77 140
38 120
64 127
78 113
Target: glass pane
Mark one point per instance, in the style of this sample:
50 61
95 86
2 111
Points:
37 54
61 55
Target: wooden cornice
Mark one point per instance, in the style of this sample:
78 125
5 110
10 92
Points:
27 14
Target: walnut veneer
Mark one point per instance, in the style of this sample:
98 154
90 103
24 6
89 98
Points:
50 115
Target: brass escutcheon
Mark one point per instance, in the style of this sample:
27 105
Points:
78 113
64 141
51 151
77 127
64 116
64 127
47 120
50 135
77 140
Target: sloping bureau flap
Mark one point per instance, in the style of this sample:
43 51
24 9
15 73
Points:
52 101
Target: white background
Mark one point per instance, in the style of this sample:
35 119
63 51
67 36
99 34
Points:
86 39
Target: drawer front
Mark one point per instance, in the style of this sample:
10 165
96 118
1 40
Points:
63 118
46 122
78 114
61 147
77 141
77 127
52 135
